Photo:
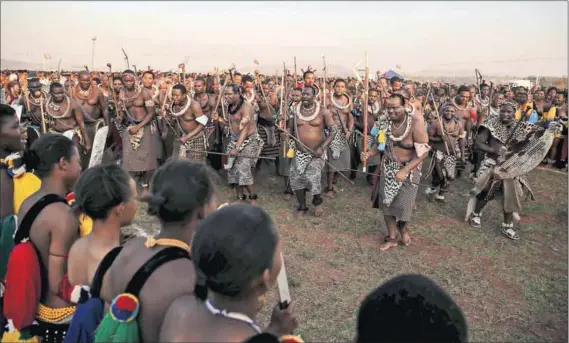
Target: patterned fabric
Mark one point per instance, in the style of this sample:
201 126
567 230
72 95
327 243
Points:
512 190
239 168
397 199
311 173
527 148
338 144
271 141
196 143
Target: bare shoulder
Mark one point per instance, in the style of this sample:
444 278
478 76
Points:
146 94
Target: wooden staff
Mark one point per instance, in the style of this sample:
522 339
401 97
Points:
43 126
258 81
366 96
440 123
283 114
324 83
227 81
238 155
295 80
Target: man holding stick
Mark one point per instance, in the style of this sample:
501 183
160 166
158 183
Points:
244 141
307 126
189 124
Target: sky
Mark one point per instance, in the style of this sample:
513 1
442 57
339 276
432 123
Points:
499 38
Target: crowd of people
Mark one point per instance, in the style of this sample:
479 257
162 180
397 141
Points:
79 150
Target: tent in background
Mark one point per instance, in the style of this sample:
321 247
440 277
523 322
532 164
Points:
392 73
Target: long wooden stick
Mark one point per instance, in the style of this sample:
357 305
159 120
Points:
238 155
366 97
440 123
310 150
283 100
324 83
43 126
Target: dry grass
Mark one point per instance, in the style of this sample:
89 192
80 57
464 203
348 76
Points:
510 291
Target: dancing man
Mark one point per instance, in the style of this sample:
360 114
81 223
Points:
340 105
138 153
404 144
512 148
307 126
245 141
190 128
447 139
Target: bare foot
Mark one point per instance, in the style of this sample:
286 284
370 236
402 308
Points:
287 196
299 213
254 202
330 194
388 244
318 211
405 237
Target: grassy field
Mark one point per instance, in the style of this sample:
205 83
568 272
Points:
510 291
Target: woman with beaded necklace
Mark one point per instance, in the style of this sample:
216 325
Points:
404 144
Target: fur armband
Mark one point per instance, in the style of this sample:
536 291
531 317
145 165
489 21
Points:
73 294
149 103
421 148
203 119
333 129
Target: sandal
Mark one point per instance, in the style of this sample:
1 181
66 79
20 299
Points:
388 243
508 231
475 220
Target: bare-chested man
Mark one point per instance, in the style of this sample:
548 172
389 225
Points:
157 143
33 100
374 120
465 111
65 117
207 103
94 108
340 106
447 139
245 141
405 149
482 103
284 161
308 126
188 124
266 120
138 107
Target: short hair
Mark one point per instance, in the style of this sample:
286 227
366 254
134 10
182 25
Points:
246 78
83 72
234 87
148 72
395 79
47 151
201 79
297 89
7 112
171 184
101 188
116 77
314 91
398 96
232 247
180 87
128 71
484 85
552 89
410 308
55 85
339 80
309 71
463 88
97 80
